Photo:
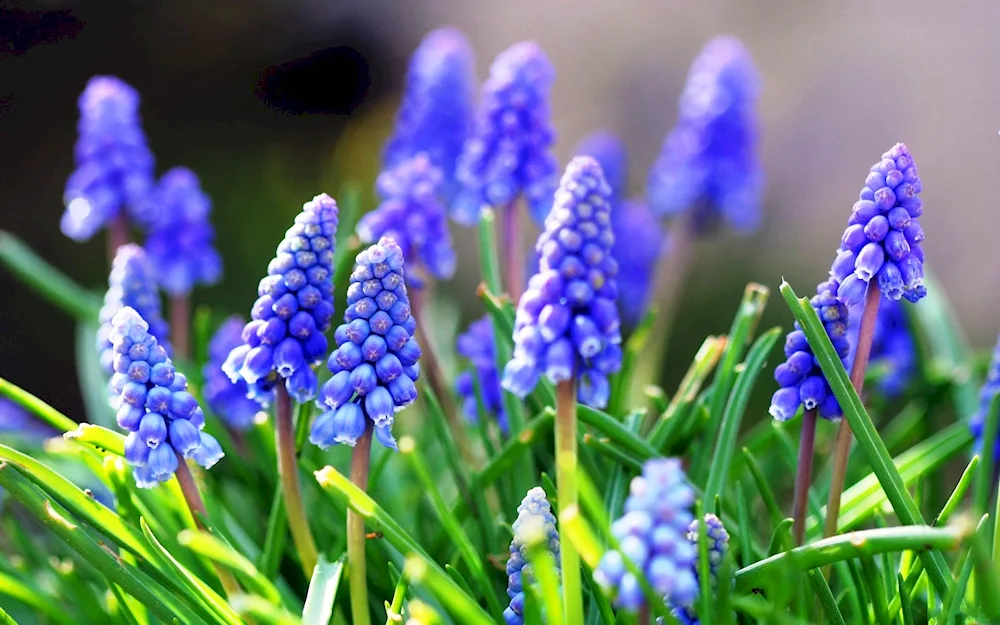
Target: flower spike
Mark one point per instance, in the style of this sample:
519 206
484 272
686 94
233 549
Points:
535 523
226 398
478 346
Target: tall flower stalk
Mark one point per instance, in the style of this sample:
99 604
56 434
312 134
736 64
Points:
285 338
374 367
567 328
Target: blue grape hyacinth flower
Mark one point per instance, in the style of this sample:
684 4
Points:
181 237
286 333
509 152
376 363
535 523
893 349
883 239
800 377
227 398
567 325
412 214
991 386
163 420
640 240
710 164
652 536
131 283
718 545
477 344
435 116
114 166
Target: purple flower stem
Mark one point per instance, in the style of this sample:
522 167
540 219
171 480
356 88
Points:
360 463
117 236
864 348
513 252
643 615
568 494
803 475
288 470
192 497
180 325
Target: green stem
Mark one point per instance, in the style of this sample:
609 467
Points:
288 470
861 353
360 462
566 462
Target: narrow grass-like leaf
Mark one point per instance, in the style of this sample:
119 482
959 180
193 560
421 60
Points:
604 447
850 545
262 611
864 431
100 437
687 392
984 485
876 591
421 570
574 527
987 579
322 591
725 445
394 610
45 279
825 596
781 537
740 334
36 406
616 432
6 619
904 595
35 599
773 510
705 595
274 535
218 551
124 605
543 567
621 382
743 527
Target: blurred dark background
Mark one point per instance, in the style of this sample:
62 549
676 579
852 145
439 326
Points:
271 102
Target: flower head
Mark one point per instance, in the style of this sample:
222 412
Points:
718 544
883 237
412 215
114 167
800 377
652 536
478 346
509 151
535 524
639 238
181 235
709 162
893 349
436 113
375 364
567 321
163 419
288 322
131 283
990 388
227 398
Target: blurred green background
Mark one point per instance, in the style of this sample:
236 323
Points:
271 102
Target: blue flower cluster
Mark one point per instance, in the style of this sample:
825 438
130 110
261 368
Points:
226 398
114 166
509 152
639 238
800 377
286 333
709 163
376 363
651 535
479 346
893 349
412 214
718 546
181 235
535 523
130 283
567 325
883 237
164 421
435 116
991 386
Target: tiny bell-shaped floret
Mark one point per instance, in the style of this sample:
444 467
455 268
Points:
567 320
162 418
509 152
226 398
535 524
286 335
652 536
375 363
478 346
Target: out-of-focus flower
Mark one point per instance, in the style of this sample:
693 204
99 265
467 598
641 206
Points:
884 239
535 524
435 116
376 363
509 152
114 167
566 325
227 398
709 163
163 419
16 420
180 243
478 346
652 536
990 388
288 322
718 545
